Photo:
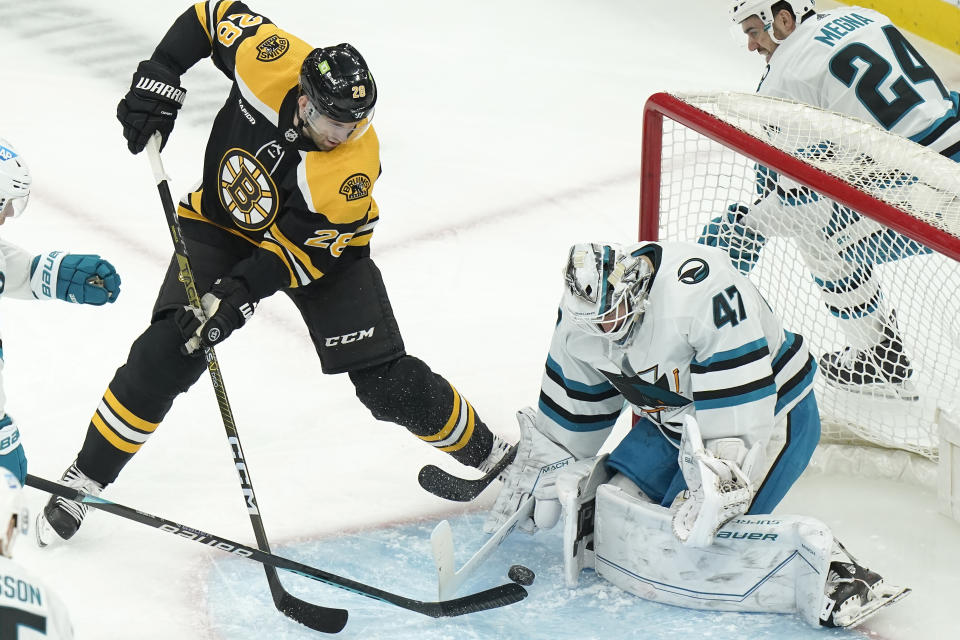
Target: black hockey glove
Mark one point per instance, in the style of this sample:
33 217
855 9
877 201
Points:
151 105
227 307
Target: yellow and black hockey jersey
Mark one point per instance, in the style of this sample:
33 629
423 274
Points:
302 208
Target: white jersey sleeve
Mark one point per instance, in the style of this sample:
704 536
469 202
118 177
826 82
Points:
15 271
578 405
28 609
855 61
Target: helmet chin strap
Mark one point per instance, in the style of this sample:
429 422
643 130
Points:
770 32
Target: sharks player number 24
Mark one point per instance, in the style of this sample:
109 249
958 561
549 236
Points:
727 422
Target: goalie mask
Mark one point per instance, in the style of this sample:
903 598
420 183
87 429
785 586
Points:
606 289
14 182
14 518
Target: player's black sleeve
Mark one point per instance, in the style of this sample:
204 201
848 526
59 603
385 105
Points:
263 273
214 27
184 44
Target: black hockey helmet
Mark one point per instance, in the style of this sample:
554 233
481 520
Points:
338 83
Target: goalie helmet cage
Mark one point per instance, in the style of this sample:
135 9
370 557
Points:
810 255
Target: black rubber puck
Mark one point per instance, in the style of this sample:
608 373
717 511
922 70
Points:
521 575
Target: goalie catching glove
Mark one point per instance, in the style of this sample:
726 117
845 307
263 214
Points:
718 484
226 307
532 473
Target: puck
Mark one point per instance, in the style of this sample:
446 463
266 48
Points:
521 575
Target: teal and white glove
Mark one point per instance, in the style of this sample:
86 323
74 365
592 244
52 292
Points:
719 486
533 473
11 451
728 232
81 278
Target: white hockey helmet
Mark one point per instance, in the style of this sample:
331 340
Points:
14 181
740 10
14 517
606 289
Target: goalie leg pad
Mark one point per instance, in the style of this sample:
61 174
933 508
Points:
756 563
577 489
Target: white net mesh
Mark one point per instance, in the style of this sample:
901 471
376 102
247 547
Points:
879 309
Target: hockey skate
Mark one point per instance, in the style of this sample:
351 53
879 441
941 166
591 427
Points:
499 449
854 593
60 518
882 370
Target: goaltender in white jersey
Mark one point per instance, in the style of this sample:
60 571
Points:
726 421
28 609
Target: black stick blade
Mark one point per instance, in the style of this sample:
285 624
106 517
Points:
323 619
450 487
490 599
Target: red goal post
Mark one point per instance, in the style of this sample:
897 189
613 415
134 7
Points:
701 152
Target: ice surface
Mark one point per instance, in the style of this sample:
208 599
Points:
509 130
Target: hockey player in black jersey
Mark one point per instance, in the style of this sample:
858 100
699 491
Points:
285 204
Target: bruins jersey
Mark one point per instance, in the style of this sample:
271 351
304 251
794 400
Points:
301 209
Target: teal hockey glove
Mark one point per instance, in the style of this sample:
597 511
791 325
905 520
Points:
11 451
81 278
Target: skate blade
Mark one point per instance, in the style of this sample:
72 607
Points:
888 596
44 534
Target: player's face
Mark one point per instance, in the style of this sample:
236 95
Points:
326 133
614 318
6 211
758 38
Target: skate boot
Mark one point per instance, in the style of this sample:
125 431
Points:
501 455
854 593
61 518
883 369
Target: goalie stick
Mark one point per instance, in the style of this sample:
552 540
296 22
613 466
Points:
450 487
499 596
325 619
441 540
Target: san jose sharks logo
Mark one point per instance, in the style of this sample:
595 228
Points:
650 391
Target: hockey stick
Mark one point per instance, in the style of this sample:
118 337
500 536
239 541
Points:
499 596
325 619
449 580
450 487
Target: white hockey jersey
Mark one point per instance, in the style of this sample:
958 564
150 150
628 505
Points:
708 344
14 282
28 609
855 61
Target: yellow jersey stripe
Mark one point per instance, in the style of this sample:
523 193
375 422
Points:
297 252
467 434
113 438
451 423
126 415
183 212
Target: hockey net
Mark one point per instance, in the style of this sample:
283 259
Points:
848 227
